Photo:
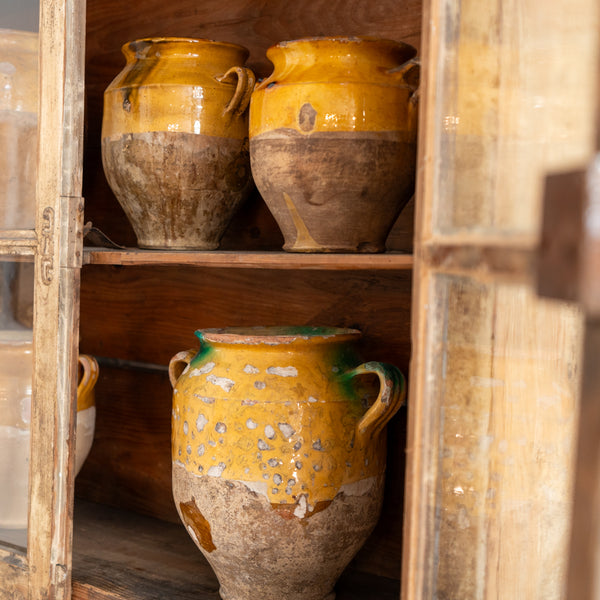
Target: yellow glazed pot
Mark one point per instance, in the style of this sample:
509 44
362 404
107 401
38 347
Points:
16 351
333 140
18 127
278 446
175 139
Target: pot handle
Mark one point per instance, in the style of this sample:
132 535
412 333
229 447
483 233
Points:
176 364
243 90
391 396
88 380
410 73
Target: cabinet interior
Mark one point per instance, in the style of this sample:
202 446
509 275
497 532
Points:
135 318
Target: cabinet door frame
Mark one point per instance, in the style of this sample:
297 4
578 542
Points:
482 257
56 245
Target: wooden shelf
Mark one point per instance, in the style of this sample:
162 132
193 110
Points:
121 555
248 260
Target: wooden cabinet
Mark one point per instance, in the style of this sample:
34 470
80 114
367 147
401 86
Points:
491 107
140 308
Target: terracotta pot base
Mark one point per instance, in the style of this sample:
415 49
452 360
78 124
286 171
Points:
333 192
179 190
274 551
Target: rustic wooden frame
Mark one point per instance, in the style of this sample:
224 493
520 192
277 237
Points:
485 259
57 248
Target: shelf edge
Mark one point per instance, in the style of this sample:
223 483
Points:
247 260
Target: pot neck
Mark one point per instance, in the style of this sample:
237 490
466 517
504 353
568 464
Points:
274 337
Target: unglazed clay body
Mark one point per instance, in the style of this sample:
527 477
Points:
175 139
279 455
333 140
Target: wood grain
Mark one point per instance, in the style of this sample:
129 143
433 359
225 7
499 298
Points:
149 313
14 575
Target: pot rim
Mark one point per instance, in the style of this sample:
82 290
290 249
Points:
347 39
132 45
277 334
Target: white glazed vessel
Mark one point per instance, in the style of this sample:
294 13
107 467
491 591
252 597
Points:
16 352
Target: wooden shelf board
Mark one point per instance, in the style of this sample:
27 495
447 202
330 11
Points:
121 555
248 260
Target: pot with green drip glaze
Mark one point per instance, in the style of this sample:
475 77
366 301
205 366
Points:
278 446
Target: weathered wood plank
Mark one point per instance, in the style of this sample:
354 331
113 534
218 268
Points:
478 449
583 581
149 313
483 258
256 25
58 227
251 260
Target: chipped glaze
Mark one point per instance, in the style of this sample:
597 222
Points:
304 430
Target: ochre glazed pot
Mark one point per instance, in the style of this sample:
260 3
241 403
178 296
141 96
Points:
18 127
333 141
16 352
175 139
278 446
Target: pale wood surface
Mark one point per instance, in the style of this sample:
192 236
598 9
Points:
13 576
496 115
507 392
583 582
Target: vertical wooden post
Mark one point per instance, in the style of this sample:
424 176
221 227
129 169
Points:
59 226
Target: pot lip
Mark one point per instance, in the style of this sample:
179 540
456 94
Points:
272 335
178 40
346 39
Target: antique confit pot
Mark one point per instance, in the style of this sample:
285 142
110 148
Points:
175 139
333 140
16 352
278 447
18 127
